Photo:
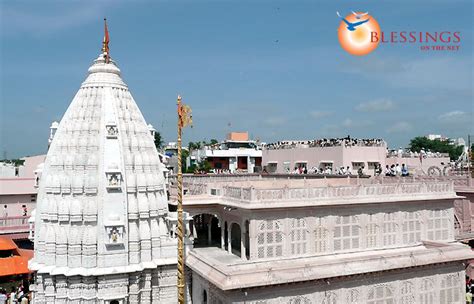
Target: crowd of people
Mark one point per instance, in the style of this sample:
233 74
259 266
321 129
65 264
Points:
396 170
410 154
469 290
323 170
17 295
326 142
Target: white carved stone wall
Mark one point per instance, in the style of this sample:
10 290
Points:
431 284
315 231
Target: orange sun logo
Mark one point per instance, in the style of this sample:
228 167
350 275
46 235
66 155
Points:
355 33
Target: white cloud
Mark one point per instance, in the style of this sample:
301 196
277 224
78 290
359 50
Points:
454 117
320 114
401 126
378 105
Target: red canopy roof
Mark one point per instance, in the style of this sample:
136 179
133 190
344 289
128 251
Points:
16 264
7 244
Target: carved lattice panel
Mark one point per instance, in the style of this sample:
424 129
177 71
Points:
449 289
407 293
298 236
346 233
426 292
411 228
389 229
320 236
270 239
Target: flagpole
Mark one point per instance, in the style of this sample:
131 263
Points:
181 281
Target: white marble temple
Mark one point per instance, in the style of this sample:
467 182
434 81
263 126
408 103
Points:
101 234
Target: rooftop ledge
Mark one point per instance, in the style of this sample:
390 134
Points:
99 271
257 196
228 272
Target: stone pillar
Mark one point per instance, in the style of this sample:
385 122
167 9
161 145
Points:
133 288
50 257
49 290
155 287
89 247
155 238
229 238
145 291
74 289
145 240
242 241
209 231
90 290
61 246
133 242
74 247
61 289
222 236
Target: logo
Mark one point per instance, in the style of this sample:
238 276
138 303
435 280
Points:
359 34
355 33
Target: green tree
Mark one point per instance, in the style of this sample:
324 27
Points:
184 156
158 140
436 145
214 141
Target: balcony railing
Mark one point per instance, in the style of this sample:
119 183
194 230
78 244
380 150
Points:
14 224
250 194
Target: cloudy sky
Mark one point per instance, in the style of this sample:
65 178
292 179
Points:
273 68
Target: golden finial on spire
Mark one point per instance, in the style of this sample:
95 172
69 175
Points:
105 43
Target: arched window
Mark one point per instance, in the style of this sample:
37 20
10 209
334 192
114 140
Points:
426 292
269 239
407 293
380 294
298 236
450 290
235 239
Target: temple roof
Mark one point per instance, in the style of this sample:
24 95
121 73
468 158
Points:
227 271
102 175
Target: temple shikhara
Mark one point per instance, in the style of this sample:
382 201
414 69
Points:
101 234
106 226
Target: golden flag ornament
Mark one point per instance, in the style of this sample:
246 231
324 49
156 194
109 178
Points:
185 116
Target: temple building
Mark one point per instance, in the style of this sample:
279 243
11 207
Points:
102 226
341 240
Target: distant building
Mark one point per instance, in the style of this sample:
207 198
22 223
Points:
434 136
235 154
323 154
18 197
330 155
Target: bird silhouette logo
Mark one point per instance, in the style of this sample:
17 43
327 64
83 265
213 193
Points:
355 32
